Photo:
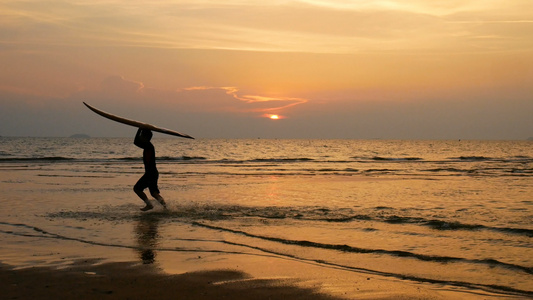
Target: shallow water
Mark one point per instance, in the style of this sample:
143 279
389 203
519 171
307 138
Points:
448 213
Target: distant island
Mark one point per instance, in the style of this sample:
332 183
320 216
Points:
80 136
530 139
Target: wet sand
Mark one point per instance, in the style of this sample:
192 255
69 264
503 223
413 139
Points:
127 281
94 279
85 280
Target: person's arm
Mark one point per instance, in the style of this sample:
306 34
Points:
138 142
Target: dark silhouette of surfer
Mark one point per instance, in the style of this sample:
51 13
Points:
151 175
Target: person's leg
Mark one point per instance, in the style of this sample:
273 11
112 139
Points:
159 199
138 188
154 191
143 196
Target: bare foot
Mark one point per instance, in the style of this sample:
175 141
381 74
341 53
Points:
147 207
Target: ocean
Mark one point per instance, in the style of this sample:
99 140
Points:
452 214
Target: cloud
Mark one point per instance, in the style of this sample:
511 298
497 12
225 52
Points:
297 26
253 103
117 85
223 112
116 90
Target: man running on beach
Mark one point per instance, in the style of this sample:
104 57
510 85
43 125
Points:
149 179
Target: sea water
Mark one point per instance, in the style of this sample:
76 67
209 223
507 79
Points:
449 213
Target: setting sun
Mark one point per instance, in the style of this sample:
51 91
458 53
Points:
274 117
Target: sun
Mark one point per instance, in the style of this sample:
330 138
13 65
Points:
273 116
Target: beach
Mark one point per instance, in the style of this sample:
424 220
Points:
88 280
92 280
126 281
267 220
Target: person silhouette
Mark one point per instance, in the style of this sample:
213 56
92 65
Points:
151 175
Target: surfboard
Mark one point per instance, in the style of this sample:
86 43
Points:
136 123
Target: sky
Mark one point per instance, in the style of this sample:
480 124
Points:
354 69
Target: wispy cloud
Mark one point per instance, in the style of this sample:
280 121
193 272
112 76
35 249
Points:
337 26
254 103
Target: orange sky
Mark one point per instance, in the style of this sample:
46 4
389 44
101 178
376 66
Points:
331 69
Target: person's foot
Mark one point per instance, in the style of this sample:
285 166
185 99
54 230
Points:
162 202
147 207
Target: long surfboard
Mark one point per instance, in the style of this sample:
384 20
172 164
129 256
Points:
136 123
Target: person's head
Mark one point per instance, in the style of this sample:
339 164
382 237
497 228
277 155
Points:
146 134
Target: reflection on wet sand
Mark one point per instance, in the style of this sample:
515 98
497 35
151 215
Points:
146 231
